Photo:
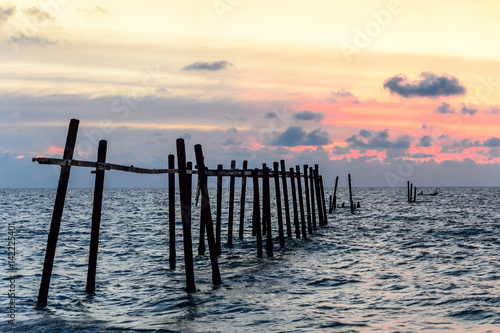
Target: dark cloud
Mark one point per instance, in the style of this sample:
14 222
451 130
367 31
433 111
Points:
38 14
425 141
271 115
494 110
444 108
492 142
23 39
207 66
6 12
309 115
424 126
421 155
467 110
295 136
429 85
377 140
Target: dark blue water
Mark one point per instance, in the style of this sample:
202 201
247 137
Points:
430 266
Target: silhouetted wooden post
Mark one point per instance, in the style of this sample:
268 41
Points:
325 217
319 201
278 203
330 204
231 206
350 194
256 212
206 215
201 241
171 211
264 223
409 195
285 200
218 218
313 190
96 217
242 200
185 196
294 202
308 201
301 203
415 194
55 224
335 193
266 208
411 191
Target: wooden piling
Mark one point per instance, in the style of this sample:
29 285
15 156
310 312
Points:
415 194
294 203
301 203
206 215
256 212
335 193
325 217
313 190
264 222
242 200
408 193
185 196
231 206
218 222
57 213
171 211
308 200
266 209
278 203
350 194
411 192
319 201
201 240
330 204
285 200
96 217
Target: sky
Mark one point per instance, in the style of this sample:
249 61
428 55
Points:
388 91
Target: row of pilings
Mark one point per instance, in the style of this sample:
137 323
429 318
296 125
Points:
306 191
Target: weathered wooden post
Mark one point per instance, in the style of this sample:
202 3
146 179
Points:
285 200
256 212
201 241
318 196
264 222
350 194
408 193
96 216
185 196
330 204
325 218
242 200
301 203
313 189
278 203
415 194
266 209
335 193
218 222
294 202
231 206
411 191
308 201
57 213
171 211
206 214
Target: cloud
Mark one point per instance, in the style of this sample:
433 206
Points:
295 136
23 39
444 108
425 141
207 66
429 85
309 115
342 95
377 140
466 110
271 115
494 110
492 142
6 13
38 14
421 155
95 10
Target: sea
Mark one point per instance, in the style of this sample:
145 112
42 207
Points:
392 266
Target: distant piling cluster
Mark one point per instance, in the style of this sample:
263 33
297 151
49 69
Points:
412 192
307 196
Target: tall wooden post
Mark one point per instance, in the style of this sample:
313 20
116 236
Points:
256 212
185 196
415 194
350 194
285 200
335 193
308 200
264 213
301 203
325 217
278 203
242 200
313 190
231 206
294 202
411 191
171 211
408 193
96 217
201 241
206 214
319 201
57 213
218 222
266 208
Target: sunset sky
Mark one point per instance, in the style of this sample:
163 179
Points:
388 91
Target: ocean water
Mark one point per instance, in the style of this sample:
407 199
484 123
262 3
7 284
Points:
429 266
